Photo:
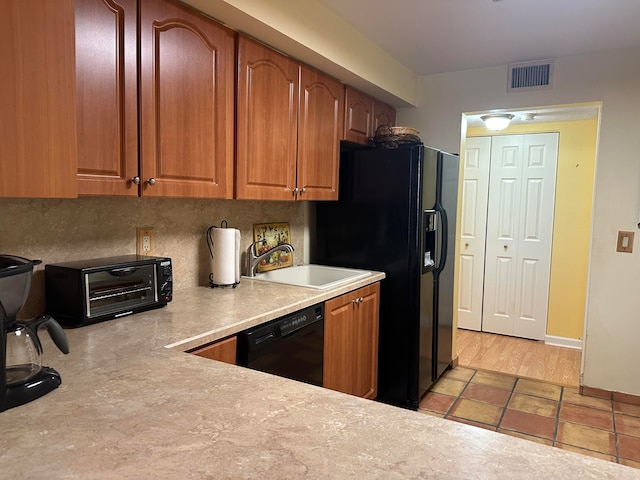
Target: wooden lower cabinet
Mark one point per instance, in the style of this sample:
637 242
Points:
223 350
351 342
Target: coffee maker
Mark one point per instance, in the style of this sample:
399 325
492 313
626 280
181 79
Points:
22 376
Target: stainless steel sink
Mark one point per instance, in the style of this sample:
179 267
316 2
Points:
312 276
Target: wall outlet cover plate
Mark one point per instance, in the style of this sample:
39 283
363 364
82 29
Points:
144 241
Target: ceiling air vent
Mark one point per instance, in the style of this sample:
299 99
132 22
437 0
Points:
530 75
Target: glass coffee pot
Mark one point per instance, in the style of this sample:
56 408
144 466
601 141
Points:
22 376
24 350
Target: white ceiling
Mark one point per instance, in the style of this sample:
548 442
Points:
436 36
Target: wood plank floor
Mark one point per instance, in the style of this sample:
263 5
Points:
519 356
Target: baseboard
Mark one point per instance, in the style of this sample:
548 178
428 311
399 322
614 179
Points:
454 362
610 395
563 342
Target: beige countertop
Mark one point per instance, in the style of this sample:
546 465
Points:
130 408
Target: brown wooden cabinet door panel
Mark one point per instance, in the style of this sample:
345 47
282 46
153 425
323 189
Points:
340 359
358 117
107 90
366 383
223 351
351 342
37 99
319 130
186 85
267 110
383 114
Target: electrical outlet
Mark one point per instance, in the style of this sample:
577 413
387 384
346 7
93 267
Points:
144 245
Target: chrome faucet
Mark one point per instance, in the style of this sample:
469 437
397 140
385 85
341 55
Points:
253 260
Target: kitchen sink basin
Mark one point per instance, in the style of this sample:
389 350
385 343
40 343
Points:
312 276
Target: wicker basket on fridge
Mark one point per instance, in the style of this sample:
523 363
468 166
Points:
393 137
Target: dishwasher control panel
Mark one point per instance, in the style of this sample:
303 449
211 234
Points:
297 320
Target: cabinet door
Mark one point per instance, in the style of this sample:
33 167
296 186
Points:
383 114
107 91
267 110
37 98
358 116
223 351
319 131
351 342
186 101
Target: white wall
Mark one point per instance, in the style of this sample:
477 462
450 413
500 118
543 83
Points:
612 321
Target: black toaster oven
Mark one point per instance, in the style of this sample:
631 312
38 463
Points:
88 291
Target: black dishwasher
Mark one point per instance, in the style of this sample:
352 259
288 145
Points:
290 346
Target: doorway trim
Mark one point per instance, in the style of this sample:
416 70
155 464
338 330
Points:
566 115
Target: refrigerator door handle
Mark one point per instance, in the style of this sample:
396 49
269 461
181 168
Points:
429 240
442 240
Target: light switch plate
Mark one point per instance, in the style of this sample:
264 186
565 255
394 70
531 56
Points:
625 242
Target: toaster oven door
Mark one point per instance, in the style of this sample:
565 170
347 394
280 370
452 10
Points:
118 290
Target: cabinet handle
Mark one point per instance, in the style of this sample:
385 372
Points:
295 191
303 190
355 300
135 180
361 299
151 182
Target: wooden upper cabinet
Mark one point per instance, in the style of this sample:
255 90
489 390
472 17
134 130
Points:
289 125
351 342
319 130
358 116
186 103
107 91
267 110
383 114
37 98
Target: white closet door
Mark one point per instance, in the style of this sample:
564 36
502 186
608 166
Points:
475 183
519 234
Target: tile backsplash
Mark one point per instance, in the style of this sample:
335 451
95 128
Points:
57 230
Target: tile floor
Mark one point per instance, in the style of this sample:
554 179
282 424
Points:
538 411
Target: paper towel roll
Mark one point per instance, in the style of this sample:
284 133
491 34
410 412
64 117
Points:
225 264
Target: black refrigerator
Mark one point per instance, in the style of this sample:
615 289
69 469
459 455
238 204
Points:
396 213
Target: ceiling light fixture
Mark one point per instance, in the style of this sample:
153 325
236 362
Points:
496 121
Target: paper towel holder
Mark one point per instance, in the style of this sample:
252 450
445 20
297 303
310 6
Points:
210 245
